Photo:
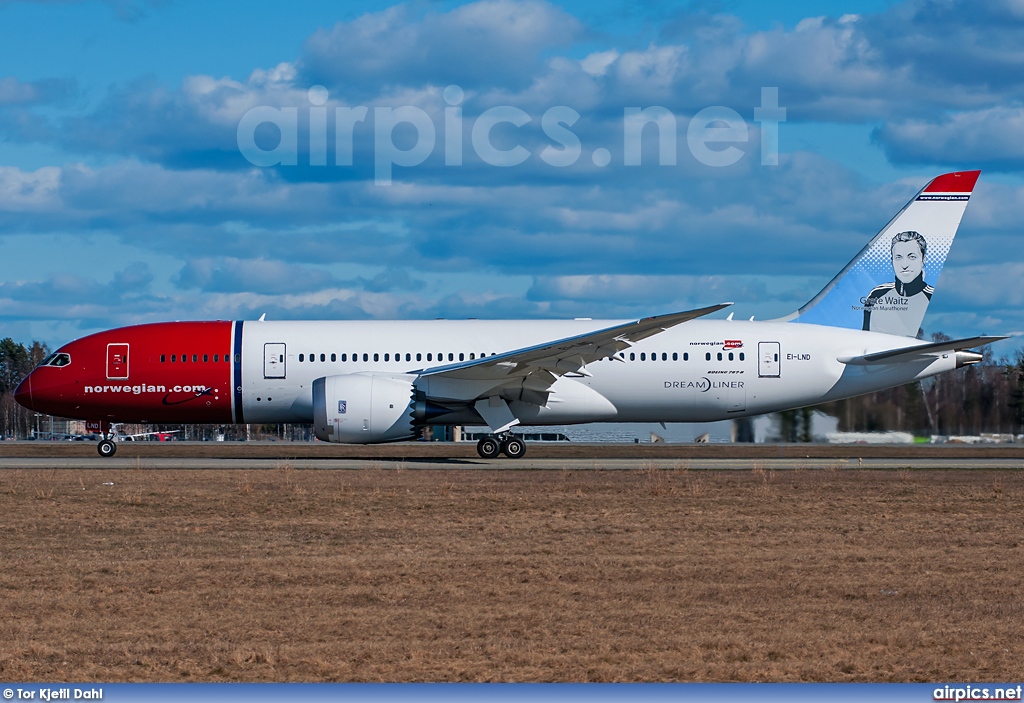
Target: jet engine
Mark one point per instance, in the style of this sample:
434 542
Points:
363 408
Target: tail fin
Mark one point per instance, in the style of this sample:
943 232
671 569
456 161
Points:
888 285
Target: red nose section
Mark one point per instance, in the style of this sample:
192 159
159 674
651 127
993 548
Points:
23 393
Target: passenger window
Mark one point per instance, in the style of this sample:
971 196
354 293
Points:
730 356
719 356
451 357
376 357
195 358
664 356
419 356
216 358
323 357
238 358
174 358
163 358
408 356
387 357
334 357
675 356
430 357
742 357
632 356
686 356
462 356
302 357
472 356
206 358
366 357
184 358
707 357
344 357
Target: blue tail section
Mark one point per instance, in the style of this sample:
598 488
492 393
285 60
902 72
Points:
888 285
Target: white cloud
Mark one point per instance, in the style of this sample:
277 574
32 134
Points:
489 42
22 191
992 137
597 64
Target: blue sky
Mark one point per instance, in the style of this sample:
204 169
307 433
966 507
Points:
124 196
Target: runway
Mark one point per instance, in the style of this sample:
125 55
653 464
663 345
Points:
502 464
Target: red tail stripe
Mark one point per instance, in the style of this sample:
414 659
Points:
959 182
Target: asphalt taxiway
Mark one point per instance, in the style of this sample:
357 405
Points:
524 464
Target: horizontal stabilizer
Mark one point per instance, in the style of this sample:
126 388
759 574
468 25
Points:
916 353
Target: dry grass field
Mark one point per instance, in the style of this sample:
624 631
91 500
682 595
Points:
398 575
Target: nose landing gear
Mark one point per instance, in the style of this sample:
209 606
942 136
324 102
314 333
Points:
106 446
491 446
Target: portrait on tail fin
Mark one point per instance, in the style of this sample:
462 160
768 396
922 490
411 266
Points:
907 254
896 307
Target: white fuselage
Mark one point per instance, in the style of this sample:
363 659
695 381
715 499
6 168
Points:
700 371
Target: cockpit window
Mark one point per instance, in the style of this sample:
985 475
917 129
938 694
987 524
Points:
57 359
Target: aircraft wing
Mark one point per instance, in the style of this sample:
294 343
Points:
544 362
918 352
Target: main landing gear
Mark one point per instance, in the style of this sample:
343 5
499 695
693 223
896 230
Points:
491 446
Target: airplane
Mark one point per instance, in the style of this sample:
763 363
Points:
381 381
165 436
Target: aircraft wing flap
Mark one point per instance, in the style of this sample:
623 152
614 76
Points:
917 352
569 355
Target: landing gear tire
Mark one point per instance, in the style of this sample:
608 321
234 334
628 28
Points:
513 447
488 448
106 448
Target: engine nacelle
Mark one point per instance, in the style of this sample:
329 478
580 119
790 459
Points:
363 408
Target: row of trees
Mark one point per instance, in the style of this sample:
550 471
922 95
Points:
987 397
983 398
16 360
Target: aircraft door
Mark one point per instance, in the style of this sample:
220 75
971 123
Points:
117 361
274 356
769 356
